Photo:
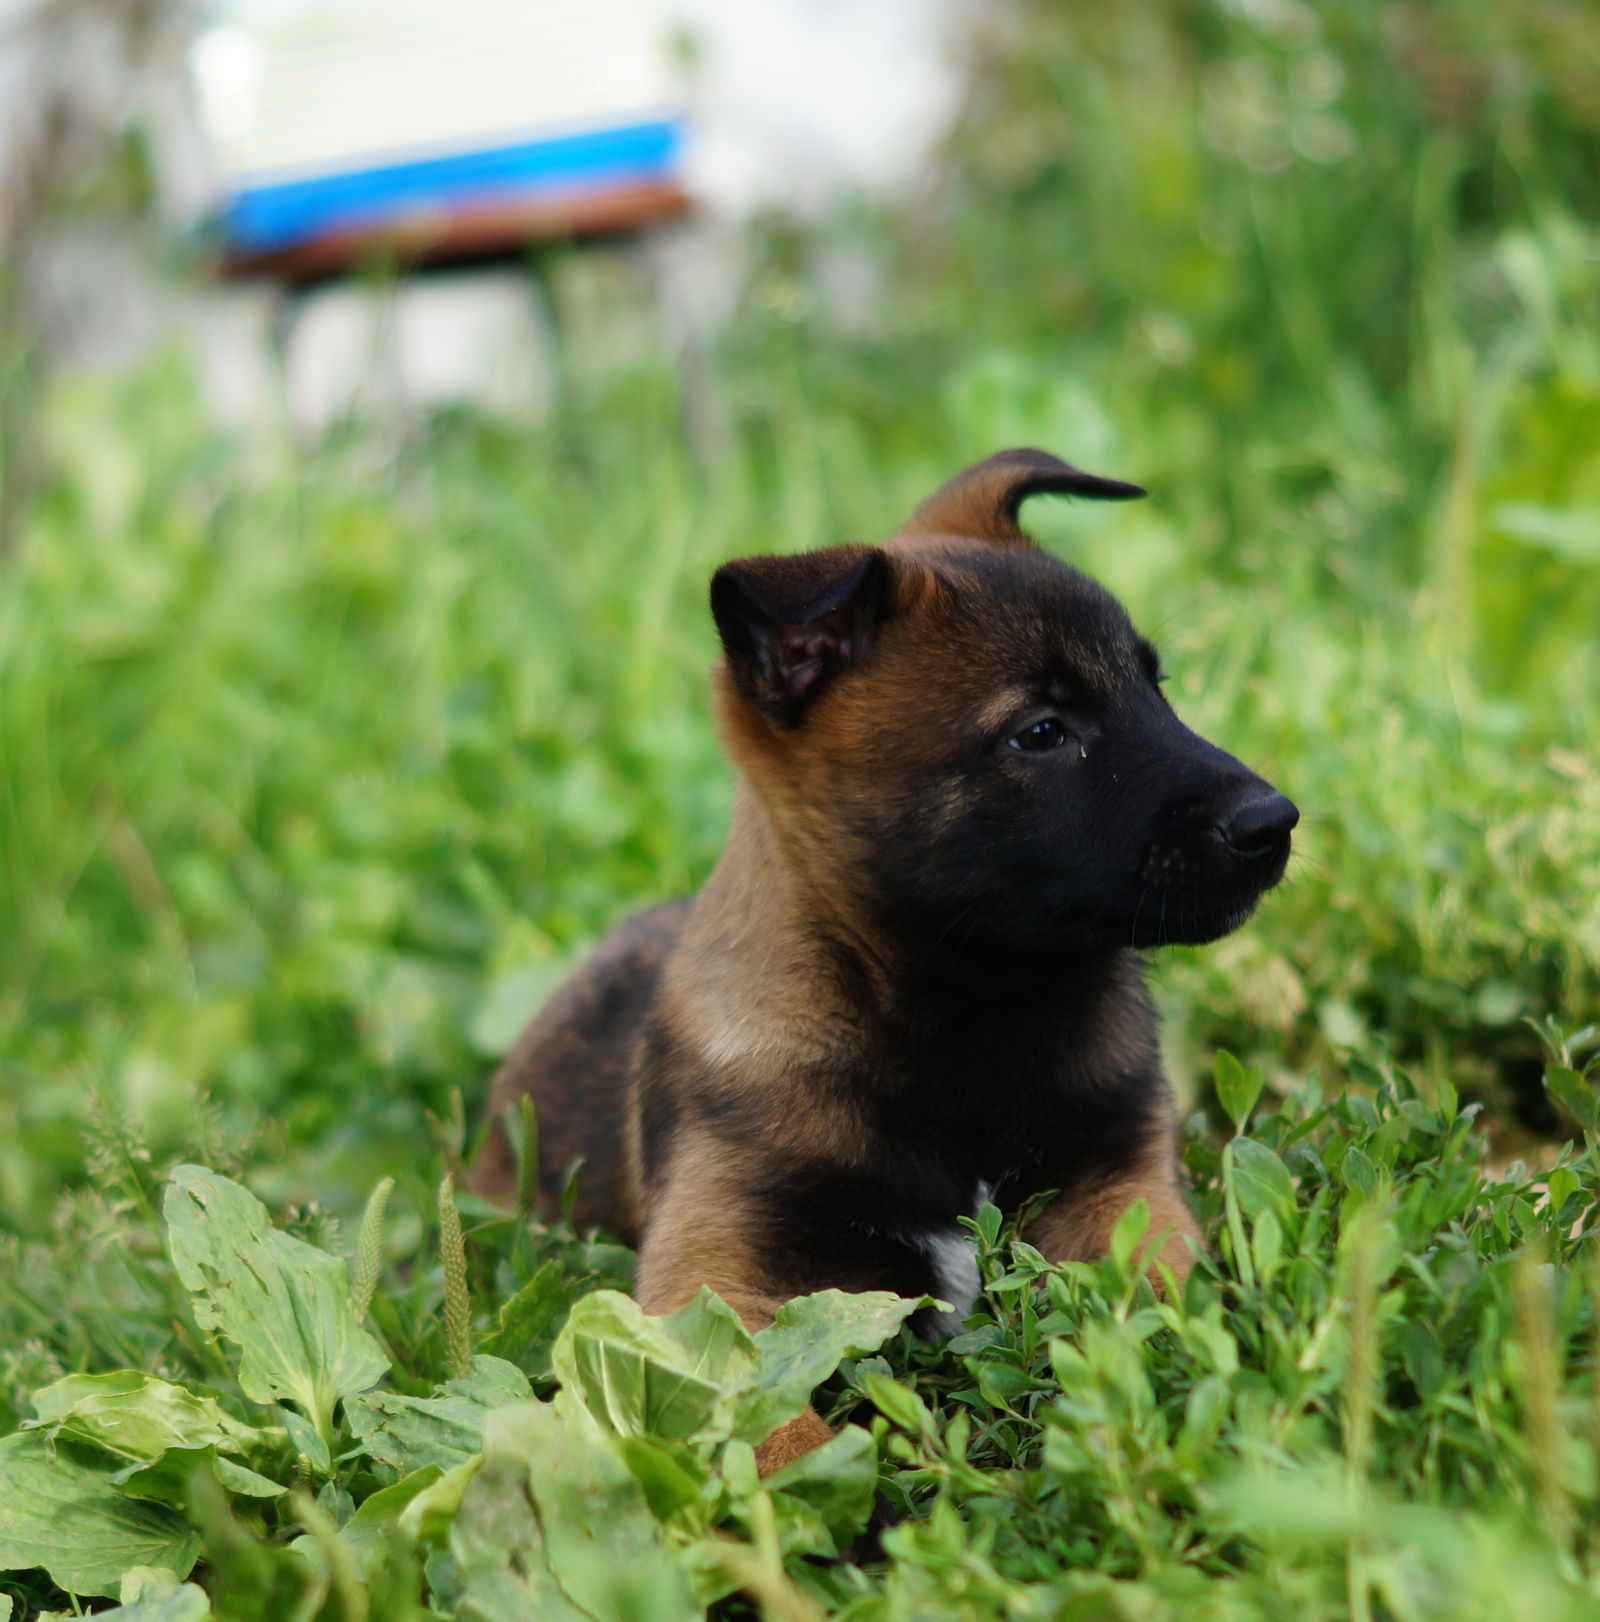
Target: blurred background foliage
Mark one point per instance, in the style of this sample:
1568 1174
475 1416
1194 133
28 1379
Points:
320 762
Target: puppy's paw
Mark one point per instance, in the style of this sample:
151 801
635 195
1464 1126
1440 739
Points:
788 1442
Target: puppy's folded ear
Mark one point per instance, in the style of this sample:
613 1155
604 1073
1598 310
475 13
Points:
983 502
791 625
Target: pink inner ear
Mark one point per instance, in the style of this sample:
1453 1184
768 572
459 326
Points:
806 651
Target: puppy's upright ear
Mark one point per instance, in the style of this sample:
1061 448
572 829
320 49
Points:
791 625
983 502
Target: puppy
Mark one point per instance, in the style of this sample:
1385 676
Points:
913 983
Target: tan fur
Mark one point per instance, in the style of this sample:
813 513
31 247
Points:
972 504
695 1239
792 1441
1079 1230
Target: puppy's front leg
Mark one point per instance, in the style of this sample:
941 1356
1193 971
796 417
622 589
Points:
698 1232
1076 1226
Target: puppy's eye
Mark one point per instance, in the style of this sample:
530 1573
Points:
1041 737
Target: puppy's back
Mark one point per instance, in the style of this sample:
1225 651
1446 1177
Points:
576 1061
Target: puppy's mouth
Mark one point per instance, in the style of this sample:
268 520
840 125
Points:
1159 916
1209 864
1178 920
1192 894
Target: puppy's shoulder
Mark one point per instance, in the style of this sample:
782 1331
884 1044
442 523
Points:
577 1059
622 972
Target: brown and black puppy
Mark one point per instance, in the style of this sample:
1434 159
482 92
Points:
913 982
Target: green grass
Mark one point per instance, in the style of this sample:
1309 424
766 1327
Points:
318 764
1377 1398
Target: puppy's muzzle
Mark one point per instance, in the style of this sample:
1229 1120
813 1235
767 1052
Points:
1259 829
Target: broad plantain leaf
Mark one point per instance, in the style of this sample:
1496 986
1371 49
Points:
284 1303
427 1519
182 1602
804 1346
148 1427
59 1513
698 1375
368 1533
499 1551
672 1477
153 1599
556 1526
247 1483
446 1429
532 1318
670 1377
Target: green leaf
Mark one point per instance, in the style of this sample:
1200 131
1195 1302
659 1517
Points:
669 1377
1238 1089
151 1430
427 1519
670 1475
1266 1245
236 1478
134 1416
1262 1182
138 1578
1358 1171
284 1303
531 1319
499 1550
445 1429
367 1534
58 1513
172 1602
1573 1096
306 1441
1205 1410
698 1375
839 1480
898 1405
1001 1383
1422 1357
251 1577
805 1344
164 1482
1305 1506
1561 1185
1130 1229
384 1506
556 1526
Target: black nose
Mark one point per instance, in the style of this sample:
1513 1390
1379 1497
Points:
1261 826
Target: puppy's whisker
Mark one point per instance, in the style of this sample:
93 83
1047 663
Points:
945 933
1133 931
966 939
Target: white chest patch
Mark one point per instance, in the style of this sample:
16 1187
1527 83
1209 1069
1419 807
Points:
955 1265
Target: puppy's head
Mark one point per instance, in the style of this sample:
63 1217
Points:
972 737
